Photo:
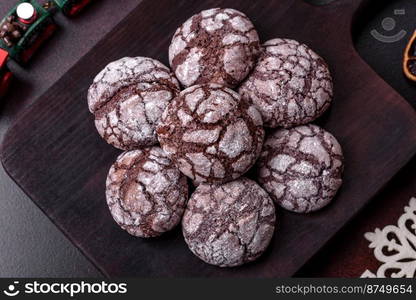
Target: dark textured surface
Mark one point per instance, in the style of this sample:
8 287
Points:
30 245
348 254
386 58
365 133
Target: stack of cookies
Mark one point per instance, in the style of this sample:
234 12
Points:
209 116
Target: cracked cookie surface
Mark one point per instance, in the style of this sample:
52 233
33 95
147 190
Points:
290 85
128 98
230 224
145 192
211 134
301 168
217 45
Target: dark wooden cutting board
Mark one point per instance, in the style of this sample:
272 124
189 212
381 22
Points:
55 155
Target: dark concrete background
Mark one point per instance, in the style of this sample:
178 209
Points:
30 245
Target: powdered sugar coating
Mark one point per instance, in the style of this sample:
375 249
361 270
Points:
290 85
230 224
128 98
145 192
211 134
217 45
301 168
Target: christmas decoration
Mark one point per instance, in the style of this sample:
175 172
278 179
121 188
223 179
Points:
26 27
395 246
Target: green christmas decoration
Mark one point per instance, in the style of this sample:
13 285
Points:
26 27
71 7
21 35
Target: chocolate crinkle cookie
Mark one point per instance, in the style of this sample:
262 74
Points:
127 99
301 168
145 192
291 85
229 225
211 134
217 45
